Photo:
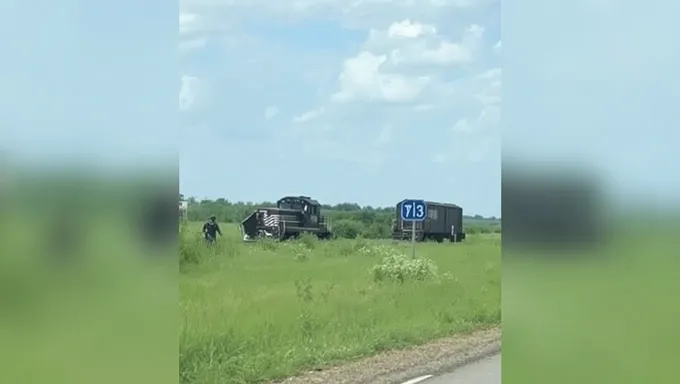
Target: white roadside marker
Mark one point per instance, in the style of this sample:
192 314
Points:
417 379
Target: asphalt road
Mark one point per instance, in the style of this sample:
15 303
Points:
486 371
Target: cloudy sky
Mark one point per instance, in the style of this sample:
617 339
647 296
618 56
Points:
367 101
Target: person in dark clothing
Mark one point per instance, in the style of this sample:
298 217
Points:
211 229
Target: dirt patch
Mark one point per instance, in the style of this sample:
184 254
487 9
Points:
401 365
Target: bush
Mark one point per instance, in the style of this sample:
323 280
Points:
348 229
399 267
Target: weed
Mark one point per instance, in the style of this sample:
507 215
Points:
399 267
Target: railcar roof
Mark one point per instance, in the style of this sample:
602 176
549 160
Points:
437 204
306 199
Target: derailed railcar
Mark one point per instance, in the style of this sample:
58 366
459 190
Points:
443 221
292 216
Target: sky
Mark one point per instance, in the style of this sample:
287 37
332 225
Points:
368 101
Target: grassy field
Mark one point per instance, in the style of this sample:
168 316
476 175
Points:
253 312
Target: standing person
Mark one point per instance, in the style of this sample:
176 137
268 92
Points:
211 229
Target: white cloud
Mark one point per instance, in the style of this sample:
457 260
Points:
308 116
445 54
498 48
189 88
271 112
362 80
473 34
411 72
376 73
408 42
408 29
188 22
404 63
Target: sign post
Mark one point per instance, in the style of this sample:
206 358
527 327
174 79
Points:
413 211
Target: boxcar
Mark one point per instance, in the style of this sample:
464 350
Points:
444 221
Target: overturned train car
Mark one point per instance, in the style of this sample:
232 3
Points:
443 221
292 216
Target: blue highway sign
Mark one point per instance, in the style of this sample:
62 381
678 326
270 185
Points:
413 210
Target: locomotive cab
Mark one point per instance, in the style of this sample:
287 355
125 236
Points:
309 209
311 214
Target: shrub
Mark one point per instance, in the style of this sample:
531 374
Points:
348 229
399 267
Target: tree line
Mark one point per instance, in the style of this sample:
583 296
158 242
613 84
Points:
350 220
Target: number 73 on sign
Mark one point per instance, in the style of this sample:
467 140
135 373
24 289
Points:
413 210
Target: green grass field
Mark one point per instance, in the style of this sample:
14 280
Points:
253 312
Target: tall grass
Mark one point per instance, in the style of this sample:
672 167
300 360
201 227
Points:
259 311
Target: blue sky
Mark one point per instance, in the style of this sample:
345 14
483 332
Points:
369 102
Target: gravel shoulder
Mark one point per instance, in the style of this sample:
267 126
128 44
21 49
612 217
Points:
397 366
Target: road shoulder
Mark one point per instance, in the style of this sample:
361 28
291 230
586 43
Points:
399 366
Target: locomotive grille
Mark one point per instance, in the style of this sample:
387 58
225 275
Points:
271 220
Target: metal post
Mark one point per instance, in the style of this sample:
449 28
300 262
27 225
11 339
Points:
413 239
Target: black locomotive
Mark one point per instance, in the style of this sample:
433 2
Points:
292 216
